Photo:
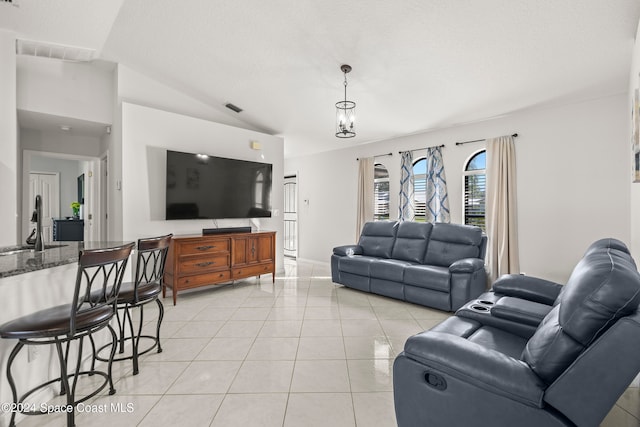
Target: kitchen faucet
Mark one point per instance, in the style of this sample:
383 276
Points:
37 218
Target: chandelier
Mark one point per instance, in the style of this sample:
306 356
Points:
345 111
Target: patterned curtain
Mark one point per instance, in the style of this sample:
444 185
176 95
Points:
406 211
437 197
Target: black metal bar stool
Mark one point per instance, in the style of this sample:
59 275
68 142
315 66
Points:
99 271
150 262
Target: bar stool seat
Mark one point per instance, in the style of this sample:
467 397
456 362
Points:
53 321
146 292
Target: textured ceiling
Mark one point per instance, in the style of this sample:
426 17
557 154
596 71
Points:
417 64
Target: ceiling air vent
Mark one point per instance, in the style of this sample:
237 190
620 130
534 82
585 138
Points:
233 108
54 51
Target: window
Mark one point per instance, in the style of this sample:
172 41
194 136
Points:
380 192
475 186
420 189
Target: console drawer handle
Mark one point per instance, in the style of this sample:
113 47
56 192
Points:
204 264
204 248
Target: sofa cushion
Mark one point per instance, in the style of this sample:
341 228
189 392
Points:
451 242
359 265
499 340
603 287
428 276
411 241
389 269
377 238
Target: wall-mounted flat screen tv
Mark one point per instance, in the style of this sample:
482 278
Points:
200 186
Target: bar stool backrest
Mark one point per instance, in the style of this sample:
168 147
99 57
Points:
99 271
150 262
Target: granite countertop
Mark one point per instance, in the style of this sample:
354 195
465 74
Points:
16 260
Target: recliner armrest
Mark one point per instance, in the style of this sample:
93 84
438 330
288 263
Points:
467 265
485 368
347 250
527 287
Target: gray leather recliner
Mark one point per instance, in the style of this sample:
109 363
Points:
570 372
519 303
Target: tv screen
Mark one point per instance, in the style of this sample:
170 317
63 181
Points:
207 187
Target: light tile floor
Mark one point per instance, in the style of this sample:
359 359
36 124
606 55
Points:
300 352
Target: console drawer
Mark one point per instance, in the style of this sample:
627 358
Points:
251 270
189 265
204 247
203 279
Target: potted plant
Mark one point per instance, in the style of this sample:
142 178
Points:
76 210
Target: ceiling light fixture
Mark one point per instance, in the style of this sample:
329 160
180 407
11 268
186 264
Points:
345 111
65 128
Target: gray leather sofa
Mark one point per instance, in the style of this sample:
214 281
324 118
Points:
436 265
570 372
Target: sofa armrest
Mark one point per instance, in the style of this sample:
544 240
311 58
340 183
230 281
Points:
472 363
467 265
527 287
347 250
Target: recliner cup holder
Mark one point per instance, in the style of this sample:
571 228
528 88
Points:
480 308
485 302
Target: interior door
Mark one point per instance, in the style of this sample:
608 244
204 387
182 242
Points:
47 185
290 216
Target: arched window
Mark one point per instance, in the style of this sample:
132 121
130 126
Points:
380 192
475 189
420 189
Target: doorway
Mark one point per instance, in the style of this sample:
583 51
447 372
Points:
290 216
70 168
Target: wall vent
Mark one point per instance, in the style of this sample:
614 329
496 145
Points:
233 107
54 51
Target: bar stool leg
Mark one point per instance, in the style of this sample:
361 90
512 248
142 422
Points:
64 380
114 340
160 316
135 339
12 384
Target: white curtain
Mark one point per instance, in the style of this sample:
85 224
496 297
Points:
437 197
365 193
502 233
406 208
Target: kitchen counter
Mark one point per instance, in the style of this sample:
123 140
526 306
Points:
16 260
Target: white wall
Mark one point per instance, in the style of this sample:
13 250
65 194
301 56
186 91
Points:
146 135
68 89
572 177
634 193
9 209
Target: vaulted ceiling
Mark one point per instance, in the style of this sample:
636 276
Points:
417 64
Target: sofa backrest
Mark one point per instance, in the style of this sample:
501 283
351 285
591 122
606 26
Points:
377 238
603 288
411 242
451 242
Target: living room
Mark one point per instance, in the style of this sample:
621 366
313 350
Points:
574 166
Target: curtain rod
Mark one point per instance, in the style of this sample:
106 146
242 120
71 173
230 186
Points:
515 135
425 148
380 155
